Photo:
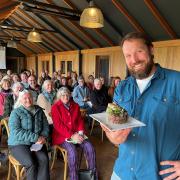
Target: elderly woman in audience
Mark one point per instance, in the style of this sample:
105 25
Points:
6 98
28 126
99 97
69 132
16 88
46 99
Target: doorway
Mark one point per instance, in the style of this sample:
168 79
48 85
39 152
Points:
102 68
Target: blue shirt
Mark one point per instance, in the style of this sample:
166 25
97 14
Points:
79 93
159 108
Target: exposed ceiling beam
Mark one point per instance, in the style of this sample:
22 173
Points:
23 43
44 35
60 32
98 31
79 28
66 28
130 18
21 14
160 19
23 28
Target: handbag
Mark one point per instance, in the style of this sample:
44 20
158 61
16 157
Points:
85 174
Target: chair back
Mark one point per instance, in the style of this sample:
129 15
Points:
5 123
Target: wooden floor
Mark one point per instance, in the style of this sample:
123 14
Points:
106 154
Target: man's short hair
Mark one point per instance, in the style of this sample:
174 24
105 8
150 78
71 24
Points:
137 35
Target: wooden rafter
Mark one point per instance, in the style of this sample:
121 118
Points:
26 44
130 18
55 35
14 18
31 24
98 31
160 19
66 28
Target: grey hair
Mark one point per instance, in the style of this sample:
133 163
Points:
97 80
46 82
62 91
17 84
18 102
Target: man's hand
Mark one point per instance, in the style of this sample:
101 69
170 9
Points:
175 170
117 137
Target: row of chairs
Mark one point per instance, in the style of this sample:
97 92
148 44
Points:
19 169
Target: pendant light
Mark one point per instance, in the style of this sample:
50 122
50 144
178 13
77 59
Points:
92 17
34 36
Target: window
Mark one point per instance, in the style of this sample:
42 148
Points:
69 66
63 67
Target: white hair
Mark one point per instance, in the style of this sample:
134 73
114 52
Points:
62 91
97 80
17 84
46 82
18 102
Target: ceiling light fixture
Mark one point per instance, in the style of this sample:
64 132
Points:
92 17
12 43
34 36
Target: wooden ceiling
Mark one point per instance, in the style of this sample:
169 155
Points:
156 18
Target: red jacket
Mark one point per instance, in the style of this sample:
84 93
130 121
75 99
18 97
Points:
66 122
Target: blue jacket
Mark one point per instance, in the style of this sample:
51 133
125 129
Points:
159 108
25 128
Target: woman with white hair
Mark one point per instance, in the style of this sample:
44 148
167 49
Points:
16 88
46 99
28 133
69 132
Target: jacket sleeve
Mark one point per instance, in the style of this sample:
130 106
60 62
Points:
59 125
45 130
17 130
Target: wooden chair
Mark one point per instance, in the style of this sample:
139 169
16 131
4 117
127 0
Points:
102 132
83 113
64 154
65 159
12 161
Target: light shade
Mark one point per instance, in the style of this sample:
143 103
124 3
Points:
12 44
92 17
34 36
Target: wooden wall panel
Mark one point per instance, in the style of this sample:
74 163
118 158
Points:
67 56
117 65
31 62
45 57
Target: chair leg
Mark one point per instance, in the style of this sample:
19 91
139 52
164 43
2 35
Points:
17 169
54 158
92 126
9 171
65 165
102 137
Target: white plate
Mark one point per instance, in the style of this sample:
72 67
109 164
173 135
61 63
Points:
102 118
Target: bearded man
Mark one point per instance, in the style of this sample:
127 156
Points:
152 95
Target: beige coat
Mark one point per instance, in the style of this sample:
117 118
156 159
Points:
42 102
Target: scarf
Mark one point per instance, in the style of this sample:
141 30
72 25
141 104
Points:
49 96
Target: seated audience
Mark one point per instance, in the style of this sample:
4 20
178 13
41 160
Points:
90 82
64 83
28 125
6 99
69 125
15 78
113 85
99 97
24 79
33 87
46 99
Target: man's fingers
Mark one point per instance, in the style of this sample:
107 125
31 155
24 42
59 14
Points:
169 170
172 163
171 177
